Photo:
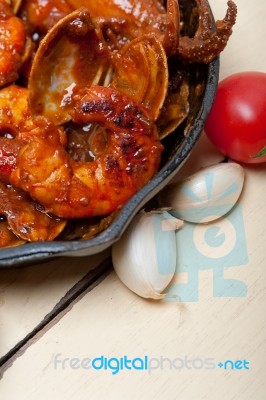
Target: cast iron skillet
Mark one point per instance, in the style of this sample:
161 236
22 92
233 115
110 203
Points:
177 148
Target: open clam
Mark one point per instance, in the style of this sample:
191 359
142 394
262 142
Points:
72 55
15 4
176 106
141 71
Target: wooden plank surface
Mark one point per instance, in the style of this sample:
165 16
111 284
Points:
28 294
111 321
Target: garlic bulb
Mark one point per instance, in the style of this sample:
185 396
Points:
145 257
206 195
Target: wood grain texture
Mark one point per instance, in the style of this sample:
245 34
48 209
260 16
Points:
28 294
112 321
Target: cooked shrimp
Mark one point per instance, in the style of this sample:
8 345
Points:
26 218
12 42
15 122
15 115
9 151
14 118
7 238
74 189
40 16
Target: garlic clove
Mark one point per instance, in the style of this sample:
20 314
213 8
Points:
144 258
206 195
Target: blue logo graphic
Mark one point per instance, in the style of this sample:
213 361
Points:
213 246
235 365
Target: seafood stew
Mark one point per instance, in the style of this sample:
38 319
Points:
98 112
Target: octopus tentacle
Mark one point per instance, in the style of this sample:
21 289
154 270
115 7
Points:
207 45
171 35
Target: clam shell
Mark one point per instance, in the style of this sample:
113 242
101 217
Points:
141 71
71 56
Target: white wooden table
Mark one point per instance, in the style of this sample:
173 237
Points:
64 310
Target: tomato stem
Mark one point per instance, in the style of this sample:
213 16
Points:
261 153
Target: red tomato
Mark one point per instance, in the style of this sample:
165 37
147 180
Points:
237 121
